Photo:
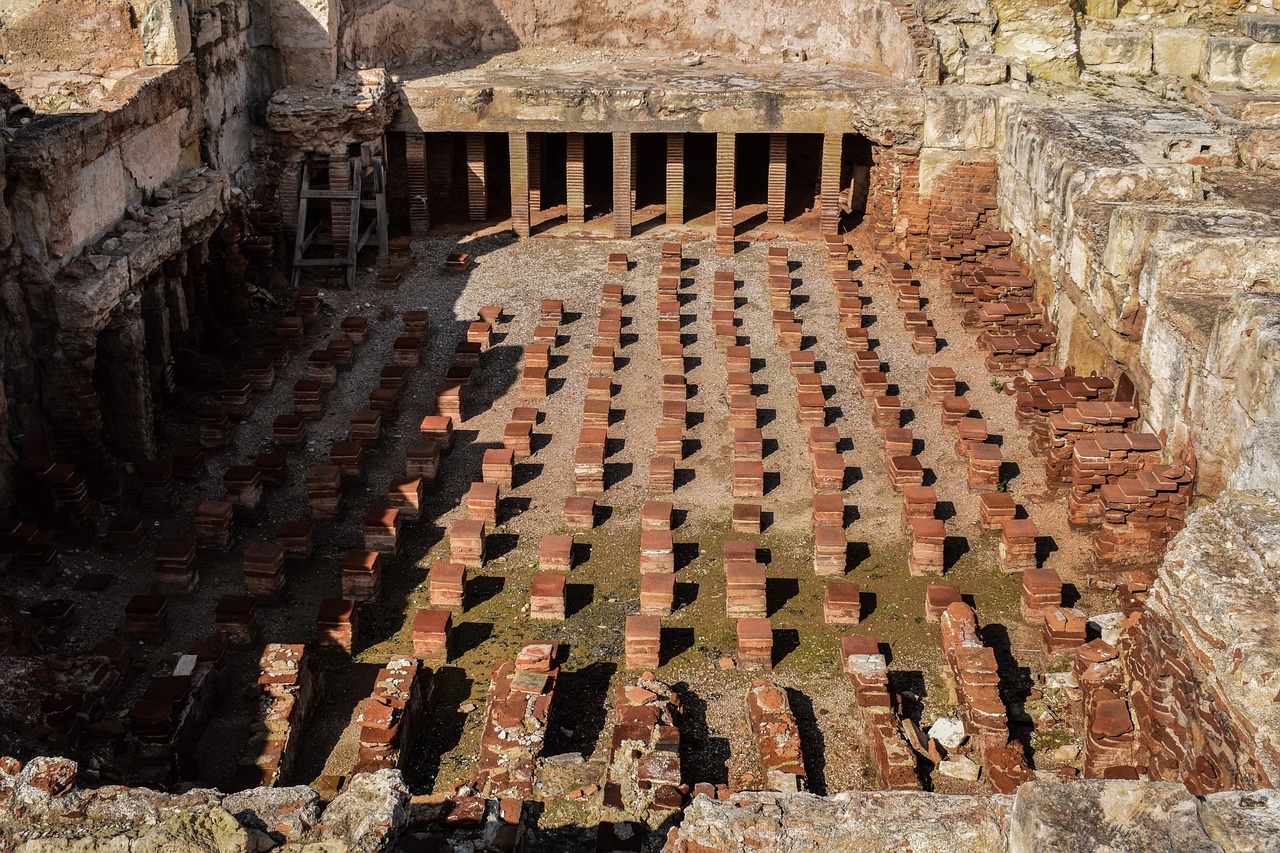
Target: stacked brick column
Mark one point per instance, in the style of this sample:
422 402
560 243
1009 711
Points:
778 178
575 186
829 201
340 209
520 199
726 167
477 182
623 200
675 178
537 145
416 158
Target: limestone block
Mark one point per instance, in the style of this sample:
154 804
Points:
151 153
166 32
958 12
985 69
959 119
1102 9
1260 149
87 303
1260 67
1116 51
1224 63
102 192
1179 51
1042 33
1261 28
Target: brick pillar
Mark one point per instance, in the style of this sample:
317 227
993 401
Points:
622 172
477 187
777 178
519 146
726 161
829 204
575 194
415 149
675 178
340 209
287 197
536 144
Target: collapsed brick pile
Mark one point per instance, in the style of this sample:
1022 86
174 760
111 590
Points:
644 757
389 719
289 685
777 737
515 722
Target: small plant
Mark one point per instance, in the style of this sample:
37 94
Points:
996 384
1002 486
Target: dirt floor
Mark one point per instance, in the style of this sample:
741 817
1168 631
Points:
603 586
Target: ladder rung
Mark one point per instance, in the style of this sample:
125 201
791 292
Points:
349 195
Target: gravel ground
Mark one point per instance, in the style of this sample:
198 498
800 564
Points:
603 587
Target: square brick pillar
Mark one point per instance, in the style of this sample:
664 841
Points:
622 174
537 143
415 145
675 178
726 166
340 209
829 202
477 186
777 178
287 196
519 147
575 193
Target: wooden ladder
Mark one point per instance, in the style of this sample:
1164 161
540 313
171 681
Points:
365 191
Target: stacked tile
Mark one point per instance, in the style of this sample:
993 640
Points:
887 412
390 717
514 727
937 598
482 502
828 472
274 468
497 466
243 485
588 471
295 538
1017 551
422 459
643 773
899 441
337 624
995 508
971 672
466 542
777 737
1076 423
748 479
643 642
893 760
438 428
928 538
213 524
579 513
905 471
324 492
290 680
533 382
662 474
746 518
940 383
970 432
1063 630
362 576
175 564
656 515
842 603
1041 590
873 383
1141 514
156 492
448 584
597 412
555 554
382 530
755 643
235 620
1102 460
828 511
918 502
432 636
215 426
744 589
984 467
366 427
829 550
657 593
146 617
451 399
125 532
546 596
263 564
308 398
349 457
748 444
657 551
405 494
823 439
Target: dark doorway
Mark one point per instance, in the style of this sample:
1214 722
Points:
597 174
699 175
855 180
804 173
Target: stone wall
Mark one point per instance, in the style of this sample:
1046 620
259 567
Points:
873 34
1143 273
1137 817
1201 658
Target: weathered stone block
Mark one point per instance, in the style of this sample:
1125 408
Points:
1116 52
1179 51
